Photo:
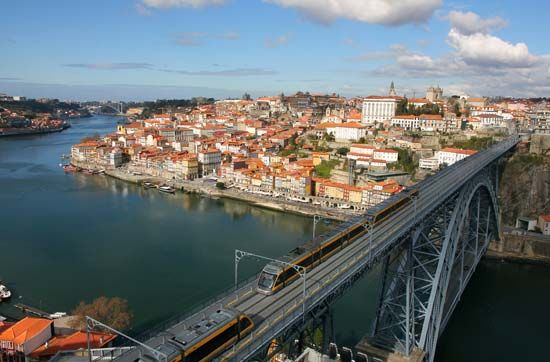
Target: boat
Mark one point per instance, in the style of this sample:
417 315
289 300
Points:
88 172
101 172
4 292
167 189
149 185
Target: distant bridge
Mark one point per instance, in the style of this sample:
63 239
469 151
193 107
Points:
116 107
428 249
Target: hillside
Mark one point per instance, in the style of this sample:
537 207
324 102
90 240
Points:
525 187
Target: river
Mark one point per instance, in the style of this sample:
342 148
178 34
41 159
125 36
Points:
68 238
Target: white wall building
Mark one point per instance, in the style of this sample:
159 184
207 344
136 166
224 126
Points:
387 155
429 163
379 108
407 121
347 131
449 155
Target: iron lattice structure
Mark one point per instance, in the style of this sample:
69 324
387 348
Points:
425 277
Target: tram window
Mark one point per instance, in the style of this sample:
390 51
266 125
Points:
266 280
213 344
244 323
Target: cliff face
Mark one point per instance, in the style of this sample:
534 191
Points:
524 187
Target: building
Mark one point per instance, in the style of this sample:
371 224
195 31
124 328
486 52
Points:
407 121
346 131
450 155
25 336
434 94
72 342
209 161
429 163
379 108
432 122
477 102
387 155
392 92
544 224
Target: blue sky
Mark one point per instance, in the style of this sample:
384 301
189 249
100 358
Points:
148 49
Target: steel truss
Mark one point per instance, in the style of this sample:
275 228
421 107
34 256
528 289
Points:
425 277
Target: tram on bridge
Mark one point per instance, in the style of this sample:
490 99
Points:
275 276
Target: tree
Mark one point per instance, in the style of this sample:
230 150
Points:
457 109
402 107
342 151
246 97
113 312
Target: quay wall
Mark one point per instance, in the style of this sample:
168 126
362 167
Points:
212 191
521 247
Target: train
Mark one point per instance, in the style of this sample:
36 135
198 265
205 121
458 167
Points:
275 275
202 341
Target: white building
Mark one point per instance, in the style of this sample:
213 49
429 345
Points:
379 108
429 163
361 149
387 155
407 121
347 131
449 155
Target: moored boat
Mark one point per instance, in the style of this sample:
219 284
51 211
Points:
4 292
167 189
149 185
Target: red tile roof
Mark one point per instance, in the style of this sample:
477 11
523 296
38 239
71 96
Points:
73 342
24 330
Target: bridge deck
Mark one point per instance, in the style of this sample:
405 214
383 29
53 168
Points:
273 314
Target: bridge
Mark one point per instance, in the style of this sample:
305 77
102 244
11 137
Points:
428 250
117 108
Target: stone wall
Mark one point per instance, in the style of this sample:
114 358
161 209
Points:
521 246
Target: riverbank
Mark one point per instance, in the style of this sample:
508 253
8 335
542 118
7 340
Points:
199 186
519 246
26 131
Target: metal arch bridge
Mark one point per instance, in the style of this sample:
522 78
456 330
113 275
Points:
117 107
429 250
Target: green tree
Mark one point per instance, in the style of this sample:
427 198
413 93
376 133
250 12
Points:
402 107
342 151
324 169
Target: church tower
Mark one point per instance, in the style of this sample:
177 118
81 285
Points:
392 90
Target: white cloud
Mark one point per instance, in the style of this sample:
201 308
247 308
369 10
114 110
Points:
275 42
181 3
191 38
469 23
142 10
386 12
489 50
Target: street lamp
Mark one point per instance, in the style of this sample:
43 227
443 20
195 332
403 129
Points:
240 254
316 219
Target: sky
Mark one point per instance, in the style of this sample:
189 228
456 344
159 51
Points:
154 49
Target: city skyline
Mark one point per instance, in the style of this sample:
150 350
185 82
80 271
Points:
149 49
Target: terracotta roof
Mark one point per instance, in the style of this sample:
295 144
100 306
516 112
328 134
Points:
458 150
24 330
73 342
